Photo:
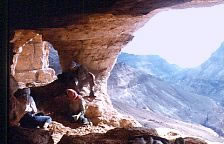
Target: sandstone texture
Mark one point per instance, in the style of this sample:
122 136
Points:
18 135
30 62
94 36
15 107
126 136
91 33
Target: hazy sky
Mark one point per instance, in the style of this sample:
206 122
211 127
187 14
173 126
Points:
184 37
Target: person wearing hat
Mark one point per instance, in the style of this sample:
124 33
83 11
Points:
32 119
77 107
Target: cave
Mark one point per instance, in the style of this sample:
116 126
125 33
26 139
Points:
91 33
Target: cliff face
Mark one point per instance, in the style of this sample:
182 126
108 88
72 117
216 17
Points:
91 33
30 61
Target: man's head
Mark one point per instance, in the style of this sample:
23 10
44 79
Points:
72 94
23 94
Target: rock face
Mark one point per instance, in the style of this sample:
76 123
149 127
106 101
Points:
18 135
30 59
29 67
126 136
91 33
15 107
151 64
143 91
117 135
93 36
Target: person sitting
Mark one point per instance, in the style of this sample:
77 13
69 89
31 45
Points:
31 118
77 107
77 77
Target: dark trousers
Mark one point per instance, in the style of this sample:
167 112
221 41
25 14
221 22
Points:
82 119
32 121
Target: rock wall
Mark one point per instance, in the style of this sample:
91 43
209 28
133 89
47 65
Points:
88 34
30 64
19 135
29 67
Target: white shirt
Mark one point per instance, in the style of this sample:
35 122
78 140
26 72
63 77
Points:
31 106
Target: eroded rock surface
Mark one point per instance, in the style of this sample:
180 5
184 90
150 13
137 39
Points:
93 36
118 136
126 136
18 135
16 108
30 64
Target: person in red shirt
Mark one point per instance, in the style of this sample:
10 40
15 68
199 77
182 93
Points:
77 107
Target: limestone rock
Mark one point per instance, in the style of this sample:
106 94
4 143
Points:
100 112
45 75
15 107
114 136
30 62
190 140
93 38
19 135
26 77
125 136
121 133
16 110
13 85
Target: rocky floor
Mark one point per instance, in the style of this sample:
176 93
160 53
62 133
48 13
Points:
62 131
58 130
60 127
71 133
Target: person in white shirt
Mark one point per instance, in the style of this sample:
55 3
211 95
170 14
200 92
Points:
32 119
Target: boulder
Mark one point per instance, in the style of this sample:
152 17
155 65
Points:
19 135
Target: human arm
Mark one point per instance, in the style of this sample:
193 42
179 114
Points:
82 109
83 106
92 76
32 105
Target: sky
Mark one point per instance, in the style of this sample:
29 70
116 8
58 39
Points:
186 37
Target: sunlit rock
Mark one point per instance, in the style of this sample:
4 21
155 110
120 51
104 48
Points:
93 38
30 60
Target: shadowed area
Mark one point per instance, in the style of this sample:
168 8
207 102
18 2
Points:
48 13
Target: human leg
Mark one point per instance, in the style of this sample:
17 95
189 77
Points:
83 119
28 121
43 121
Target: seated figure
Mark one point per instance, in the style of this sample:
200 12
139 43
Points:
77 107
78 76
31 118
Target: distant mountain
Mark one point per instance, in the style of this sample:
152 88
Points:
162 123
207 79
151 64
144 91
54 61
213 68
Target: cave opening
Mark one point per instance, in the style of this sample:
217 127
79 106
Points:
54 61
174 67
93 38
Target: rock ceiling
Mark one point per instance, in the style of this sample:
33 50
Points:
90 32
